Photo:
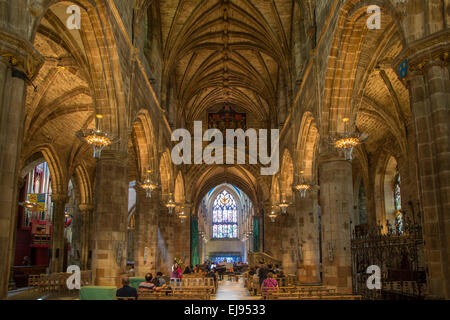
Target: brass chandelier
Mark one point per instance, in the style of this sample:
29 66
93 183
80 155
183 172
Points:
171 204
302 186
97 138
347 141
148 184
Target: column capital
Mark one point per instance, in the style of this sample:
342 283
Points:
114 155
20 54
434 48
86 207
330 156
59 198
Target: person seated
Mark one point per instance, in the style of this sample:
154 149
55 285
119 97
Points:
187 270
159 282
269 284
277 269
148 285
126 291
212 274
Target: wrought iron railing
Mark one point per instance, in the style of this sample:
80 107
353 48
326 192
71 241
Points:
399 254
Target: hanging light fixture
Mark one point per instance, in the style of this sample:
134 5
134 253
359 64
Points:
349 140
273 215
148 185
302 186
181 214
97 138
284 205
28 204
171 204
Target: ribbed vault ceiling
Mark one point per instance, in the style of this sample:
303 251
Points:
226 51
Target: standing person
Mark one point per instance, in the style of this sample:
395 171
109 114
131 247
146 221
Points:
176 271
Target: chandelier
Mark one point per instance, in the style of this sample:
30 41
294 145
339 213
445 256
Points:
272 215
224 200
302 186
97 138
29 205
171 204
181 214
284 205
148 185
349 140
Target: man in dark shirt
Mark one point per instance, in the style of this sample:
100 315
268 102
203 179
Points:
126 291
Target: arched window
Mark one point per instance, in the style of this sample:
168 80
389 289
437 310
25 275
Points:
224 219
39 190
398 203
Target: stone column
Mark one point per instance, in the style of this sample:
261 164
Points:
59 208
165 240
14 53
289 253
110 218
336 200
182 236
308 244
145 243
86 211
430 96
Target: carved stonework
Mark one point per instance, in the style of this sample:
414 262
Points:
20 54
433 48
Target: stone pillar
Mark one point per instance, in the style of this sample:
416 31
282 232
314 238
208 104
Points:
145 243
430 96
182 236
308 244
165 240
14 53
336 200
110 218
86 211
59 208
289 253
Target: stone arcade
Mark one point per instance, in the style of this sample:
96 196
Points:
360 98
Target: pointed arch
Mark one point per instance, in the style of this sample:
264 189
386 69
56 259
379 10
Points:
287 177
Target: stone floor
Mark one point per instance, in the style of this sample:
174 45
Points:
232 290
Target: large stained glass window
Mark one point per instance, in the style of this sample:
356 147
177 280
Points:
225 221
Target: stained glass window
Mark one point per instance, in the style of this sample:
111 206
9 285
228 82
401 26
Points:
398 204
225 221
397 194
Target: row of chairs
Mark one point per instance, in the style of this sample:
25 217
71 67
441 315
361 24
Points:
194 282
176 294
56 282
301 296
407 287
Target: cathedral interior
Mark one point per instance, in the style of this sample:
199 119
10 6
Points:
92 92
